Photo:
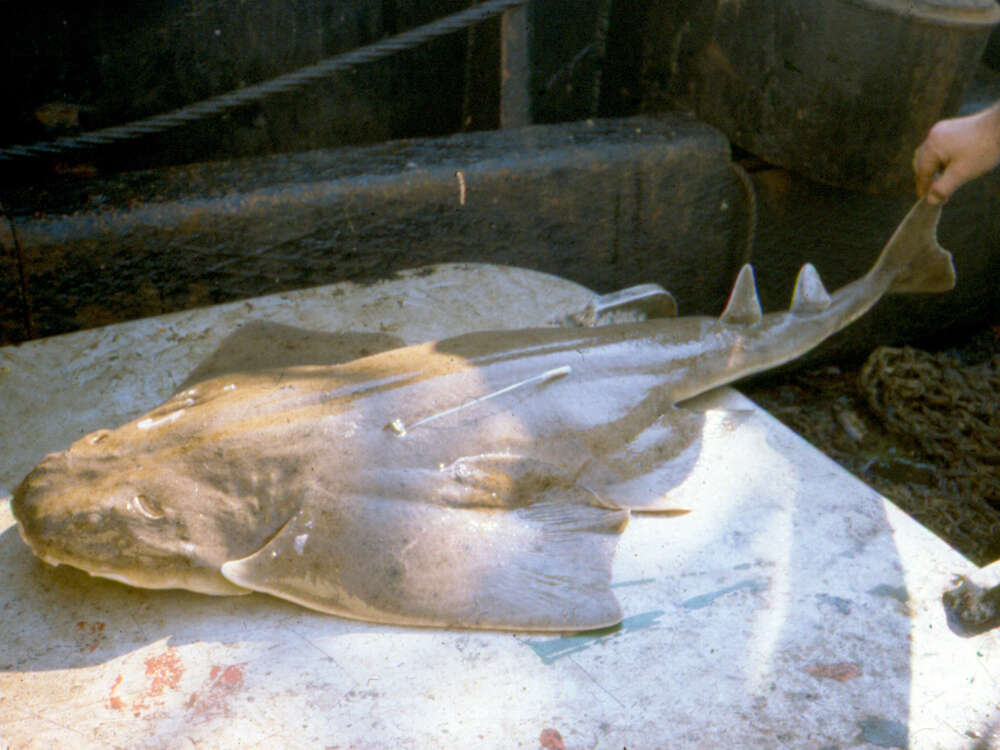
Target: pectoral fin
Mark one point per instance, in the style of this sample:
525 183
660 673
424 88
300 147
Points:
263 345
545 565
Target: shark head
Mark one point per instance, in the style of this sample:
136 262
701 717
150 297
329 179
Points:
146 516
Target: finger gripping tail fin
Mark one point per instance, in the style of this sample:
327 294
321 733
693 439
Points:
913 257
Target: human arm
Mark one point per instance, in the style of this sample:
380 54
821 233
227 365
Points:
956 151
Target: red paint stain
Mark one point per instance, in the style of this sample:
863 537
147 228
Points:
163 671
213 697
89 635
115 701
550 739
841 672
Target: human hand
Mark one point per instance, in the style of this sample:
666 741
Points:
956 151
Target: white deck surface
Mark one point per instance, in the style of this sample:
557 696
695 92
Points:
794 608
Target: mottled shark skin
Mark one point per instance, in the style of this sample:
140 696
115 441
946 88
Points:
479 481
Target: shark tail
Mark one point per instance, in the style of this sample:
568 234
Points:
913 259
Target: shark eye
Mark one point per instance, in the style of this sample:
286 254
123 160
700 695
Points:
147 507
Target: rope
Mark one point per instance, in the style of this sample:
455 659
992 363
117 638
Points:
250 94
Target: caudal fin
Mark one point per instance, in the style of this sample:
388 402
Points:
913 258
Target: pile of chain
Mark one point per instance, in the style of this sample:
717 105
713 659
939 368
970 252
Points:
949 409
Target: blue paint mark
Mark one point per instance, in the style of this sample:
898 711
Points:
704 600
884 732
896 592
841 605
553 649
636 582
742 566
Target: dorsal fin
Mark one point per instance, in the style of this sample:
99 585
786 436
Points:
261 345
743 307
810 296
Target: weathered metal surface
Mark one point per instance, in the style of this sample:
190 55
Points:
840 91
515 70
85 69
598 203
91 67
797 603
605 203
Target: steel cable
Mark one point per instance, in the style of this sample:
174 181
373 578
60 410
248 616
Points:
250 94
